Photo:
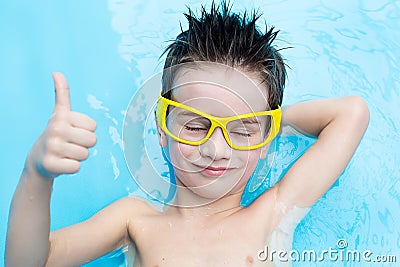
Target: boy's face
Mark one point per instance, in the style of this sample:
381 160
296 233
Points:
213 169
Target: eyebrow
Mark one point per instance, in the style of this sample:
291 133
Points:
188 113
250 120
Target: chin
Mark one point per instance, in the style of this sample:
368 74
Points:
217 189
211 194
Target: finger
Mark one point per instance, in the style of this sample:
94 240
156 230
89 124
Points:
75 152
55 166
80 120
81 137
67 166
62 92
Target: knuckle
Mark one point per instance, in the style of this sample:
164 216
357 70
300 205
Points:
58 127
76 166
59 117
85 154
48 163
94 125
53 145
92 140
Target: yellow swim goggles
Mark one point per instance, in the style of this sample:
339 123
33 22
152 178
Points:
193 127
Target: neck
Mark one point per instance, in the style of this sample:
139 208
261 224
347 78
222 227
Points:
191 205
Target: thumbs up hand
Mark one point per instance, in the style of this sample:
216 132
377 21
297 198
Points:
66 139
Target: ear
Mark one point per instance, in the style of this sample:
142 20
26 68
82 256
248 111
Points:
263 151
162 137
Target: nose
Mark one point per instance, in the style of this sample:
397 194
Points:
216 146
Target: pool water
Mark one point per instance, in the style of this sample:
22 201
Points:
108 49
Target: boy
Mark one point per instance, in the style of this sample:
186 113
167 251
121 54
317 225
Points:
222 87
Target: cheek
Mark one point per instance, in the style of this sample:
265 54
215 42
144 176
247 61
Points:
254 156
249 161
181 154
185 151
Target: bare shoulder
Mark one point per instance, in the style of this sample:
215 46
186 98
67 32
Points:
137 212
128 209
134 207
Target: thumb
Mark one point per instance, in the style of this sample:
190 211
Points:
62 92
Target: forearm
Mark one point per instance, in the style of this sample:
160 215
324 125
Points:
339 124
59 150
312 117
29 221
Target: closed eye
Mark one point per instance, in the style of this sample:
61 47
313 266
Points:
195 129
242 133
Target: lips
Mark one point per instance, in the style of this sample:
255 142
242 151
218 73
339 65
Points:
213 171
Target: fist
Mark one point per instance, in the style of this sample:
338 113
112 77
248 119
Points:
66 139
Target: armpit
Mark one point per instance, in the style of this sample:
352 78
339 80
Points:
282 235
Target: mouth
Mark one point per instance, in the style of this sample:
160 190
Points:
212 171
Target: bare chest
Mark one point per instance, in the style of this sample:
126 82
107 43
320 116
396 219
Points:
174 243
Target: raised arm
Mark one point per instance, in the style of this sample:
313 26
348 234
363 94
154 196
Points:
339 124
59 150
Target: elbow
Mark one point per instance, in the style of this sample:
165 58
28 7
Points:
358 112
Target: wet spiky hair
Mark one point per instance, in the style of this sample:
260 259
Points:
225 37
